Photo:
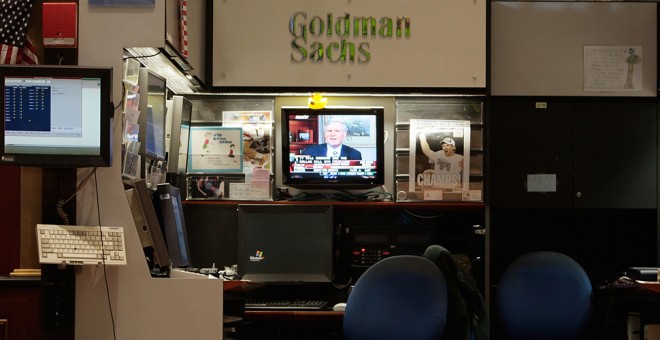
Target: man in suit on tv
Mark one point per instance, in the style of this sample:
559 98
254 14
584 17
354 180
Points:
335 133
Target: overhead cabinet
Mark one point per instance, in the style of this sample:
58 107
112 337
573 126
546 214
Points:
574 153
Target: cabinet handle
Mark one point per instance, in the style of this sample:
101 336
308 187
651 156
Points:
578 194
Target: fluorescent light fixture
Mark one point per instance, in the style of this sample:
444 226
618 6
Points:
179 81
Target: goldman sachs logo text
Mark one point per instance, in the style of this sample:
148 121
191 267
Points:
344 39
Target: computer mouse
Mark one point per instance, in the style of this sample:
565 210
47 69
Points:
340 307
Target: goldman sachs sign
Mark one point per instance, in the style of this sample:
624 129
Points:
342 39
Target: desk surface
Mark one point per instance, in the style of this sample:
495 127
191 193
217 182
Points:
20 281
240 285
650 287
293 315
635 292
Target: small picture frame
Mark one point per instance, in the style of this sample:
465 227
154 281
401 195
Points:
304 136
210 187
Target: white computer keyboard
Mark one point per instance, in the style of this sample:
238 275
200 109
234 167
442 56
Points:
78 245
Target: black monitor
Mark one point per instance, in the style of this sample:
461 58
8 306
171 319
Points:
179 132
56 116
308 147
148 228
168 201
285 243
152 119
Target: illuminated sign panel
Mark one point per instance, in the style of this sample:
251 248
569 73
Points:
349 43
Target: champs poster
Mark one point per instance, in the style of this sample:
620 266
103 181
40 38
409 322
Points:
439 157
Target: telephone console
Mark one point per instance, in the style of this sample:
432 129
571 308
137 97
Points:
370 245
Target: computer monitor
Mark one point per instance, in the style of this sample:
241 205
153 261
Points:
285 243
148 228
179 132
170 214
333 148
152 119
56 116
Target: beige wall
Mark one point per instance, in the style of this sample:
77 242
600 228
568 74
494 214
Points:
143 308
537 48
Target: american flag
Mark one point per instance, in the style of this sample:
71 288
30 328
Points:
183 14
15 44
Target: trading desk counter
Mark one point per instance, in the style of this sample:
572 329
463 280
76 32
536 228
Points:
280 324
315 315
20 307
292 324
240 286
621 298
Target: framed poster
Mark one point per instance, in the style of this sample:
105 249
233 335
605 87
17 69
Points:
257 136
439 158
608 68
215 149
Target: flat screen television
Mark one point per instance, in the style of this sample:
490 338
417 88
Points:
333 148
285 243
56 116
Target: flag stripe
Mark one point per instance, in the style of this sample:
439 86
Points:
19 55
29 55
183 8
8 54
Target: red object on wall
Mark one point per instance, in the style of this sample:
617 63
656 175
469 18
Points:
60 24
10 218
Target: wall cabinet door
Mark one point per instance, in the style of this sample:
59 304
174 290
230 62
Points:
526 141
600 153
615 155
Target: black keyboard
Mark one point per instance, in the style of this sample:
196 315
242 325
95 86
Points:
285 304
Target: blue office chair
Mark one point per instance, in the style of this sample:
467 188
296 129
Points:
399 297
544 295
467 316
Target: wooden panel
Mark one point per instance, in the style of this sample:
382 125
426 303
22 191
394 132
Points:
4 329
20 308
10 215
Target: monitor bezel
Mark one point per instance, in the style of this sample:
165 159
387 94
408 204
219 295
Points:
169 214
47 160
287 210
154 243
150 80
343 183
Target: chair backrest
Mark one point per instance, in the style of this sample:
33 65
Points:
544 295
399 297
467 316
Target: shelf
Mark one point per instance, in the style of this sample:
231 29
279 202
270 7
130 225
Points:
357 205
293 315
